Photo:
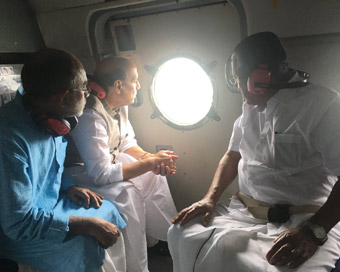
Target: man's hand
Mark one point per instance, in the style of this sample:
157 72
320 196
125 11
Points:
165 163
293 247
81 195
103 231
203 207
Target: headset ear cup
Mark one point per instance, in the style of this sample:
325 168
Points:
259 80
97 89
55 125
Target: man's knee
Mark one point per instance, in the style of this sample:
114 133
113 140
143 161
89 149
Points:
131 205
174 233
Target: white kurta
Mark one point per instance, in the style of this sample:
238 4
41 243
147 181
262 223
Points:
289 155
145 202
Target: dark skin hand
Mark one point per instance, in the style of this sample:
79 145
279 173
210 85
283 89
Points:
203 207
103 231
80 195
224 176
293 247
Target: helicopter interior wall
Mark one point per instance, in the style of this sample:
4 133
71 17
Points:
318 55
209 34
307 28
19 31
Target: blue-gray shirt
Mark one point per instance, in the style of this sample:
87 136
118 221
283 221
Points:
34 211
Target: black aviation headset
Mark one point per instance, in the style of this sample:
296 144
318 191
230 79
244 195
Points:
259 80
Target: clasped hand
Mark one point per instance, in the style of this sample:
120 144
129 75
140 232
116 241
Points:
165 163
293 247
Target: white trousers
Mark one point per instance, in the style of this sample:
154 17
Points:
235 241
146 205
114 259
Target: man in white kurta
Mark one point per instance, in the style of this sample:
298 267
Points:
285 151
118 169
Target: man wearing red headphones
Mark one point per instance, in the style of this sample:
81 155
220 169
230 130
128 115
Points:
46 221
116 167
285 150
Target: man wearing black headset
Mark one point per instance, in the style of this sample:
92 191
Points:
285 150
46 221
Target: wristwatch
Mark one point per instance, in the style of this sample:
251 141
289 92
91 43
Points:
318 231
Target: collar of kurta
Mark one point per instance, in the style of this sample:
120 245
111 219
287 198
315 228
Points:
111 112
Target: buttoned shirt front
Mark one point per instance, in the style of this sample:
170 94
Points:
290 151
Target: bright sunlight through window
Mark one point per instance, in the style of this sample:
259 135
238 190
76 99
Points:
182 91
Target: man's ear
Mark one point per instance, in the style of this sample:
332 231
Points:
117 86
62 98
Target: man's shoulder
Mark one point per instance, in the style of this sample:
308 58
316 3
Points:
318 92
311 97
10 117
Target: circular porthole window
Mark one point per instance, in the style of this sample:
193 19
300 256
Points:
182 93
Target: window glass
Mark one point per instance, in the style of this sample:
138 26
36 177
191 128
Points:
182 91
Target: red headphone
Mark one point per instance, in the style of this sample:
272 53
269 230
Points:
97 87
257 83
55 125
259 80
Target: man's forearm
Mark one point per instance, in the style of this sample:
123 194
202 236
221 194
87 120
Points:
136 152
328 215
135 169
225 174
79 225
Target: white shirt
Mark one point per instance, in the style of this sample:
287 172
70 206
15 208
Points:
91 138
291 150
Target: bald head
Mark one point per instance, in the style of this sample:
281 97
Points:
111 69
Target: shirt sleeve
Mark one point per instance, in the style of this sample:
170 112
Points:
91 139
236 136
66 181
326 135
129 141
20 217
